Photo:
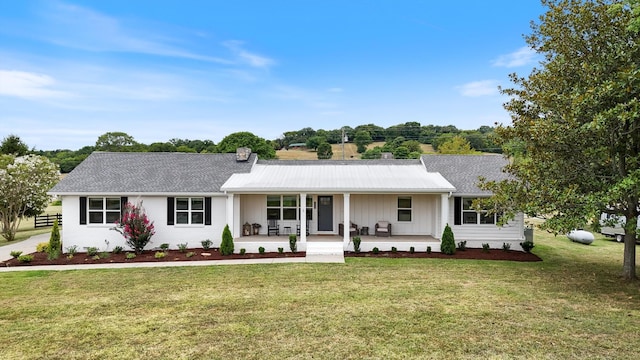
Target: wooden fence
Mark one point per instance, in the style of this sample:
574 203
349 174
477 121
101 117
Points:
46 220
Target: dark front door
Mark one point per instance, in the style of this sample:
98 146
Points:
325 213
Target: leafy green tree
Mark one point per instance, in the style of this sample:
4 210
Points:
413 146
257 144
448 244
117 142
374 153
24 182
185 149
324 151
314 141
456 145
362 139
226 246
161 147
12 145
401 152
576 122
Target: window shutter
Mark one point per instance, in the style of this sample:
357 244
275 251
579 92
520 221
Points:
83 210
123 203
207 211
170 211
457 210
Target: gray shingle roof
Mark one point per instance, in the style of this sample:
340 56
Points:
462 171
126 173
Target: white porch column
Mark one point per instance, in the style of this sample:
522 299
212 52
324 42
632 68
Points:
347 219
444 213
303 217
230 215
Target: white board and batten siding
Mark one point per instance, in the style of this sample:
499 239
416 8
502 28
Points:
476 235
94 235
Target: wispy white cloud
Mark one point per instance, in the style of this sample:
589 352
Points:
29 85
247 57
521 57
479 88
335 90
83 28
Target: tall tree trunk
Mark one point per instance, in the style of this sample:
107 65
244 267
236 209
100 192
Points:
629 263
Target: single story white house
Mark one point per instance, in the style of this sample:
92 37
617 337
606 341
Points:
191 197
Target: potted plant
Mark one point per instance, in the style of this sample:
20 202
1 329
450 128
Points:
256 228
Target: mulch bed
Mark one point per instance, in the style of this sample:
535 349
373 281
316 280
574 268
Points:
214 254
146 256
474 254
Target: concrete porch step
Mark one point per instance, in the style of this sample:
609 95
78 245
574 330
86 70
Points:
325 248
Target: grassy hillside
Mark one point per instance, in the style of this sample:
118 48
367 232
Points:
350 152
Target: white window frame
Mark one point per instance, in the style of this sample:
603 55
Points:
107 211
191 212
285 207
405 210
481 217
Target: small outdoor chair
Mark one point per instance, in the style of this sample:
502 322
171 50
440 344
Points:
273 227
383 228
353 229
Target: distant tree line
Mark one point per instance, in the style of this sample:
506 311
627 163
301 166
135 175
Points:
402 140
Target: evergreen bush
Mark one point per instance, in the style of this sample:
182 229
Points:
448 245
55 246
226 247
293 243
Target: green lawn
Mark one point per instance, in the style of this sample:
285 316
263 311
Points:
571 305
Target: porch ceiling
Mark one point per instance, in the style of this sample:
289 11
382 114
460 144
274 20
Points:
338 178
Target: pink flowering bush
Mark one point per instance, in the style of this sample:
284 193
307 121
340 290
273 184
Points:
135 227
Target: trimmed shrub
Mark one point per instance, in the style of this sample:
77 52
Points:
130 256
55 246
25 258
182 247
506 246
92 251
160 254
428 249
462 245
42 247
280 250
394 249
243 251
117 249
226 247
16 254
448 245
485 247
527 246
164 246
375 250
412 249
261 250
293 239
206 244
72 250
356 243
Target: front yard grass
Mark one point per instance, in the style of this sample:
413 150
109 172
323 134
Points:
572 305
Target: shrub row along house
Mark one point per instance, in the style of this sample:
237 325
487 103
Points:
191 197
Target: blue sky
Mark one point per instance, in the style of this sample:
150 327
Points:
73 70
